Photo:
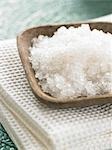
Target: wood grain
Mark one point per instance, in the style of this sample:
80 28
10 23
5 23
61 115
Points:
23 44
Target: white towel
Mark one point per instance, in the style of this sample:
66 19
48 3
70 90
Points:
71 128
21 136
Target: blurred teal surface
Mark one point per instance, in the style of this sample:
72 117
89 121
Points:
16 15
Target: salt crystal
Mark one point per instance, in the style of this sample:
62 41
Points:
73 62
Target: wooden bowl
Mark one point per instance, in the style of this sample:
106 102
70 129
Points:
24 42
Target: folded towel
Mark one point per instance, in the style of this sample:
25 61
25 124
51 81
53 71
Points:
22 137
25 140
71 128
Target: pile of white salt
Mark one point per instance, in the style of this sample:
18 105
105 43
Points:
73 62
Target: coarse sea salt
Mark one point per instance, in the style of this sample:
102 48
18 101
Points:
73 62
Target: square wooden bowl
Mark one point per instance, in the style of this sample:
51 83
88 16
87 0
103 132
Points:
23 44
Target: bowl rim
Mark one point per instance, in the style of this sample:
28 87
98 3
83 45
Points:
24 56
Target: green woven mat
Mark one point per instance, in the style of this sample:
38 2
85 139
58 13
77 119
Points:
5 141
16 15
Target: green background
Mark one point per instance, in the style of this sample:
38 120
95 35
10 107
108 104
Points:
16 15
